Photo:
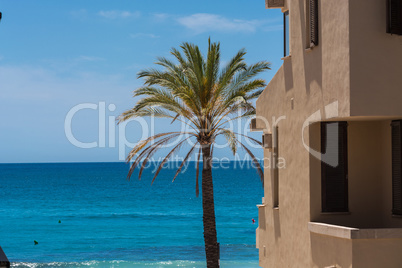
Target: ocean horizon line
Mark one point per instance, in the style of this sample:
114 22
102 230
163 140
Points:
124 162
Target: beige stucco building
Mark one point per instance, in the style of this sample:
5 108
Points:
333 177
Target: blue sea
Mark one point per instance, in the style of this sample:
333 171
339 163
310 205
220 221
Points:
89 215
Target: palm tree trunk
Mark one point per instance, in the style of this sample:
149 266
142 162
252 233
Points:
210 238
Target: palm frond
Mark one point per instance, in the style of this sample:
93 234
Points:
254 95
195 64
235 65
250 138
211 72
176 53
177 147
143 143
152 150
178 79
184 161
231 139
146 152
244 89
249 111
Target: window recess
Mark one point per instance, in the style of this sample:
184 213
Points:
286 34
394 17
313 22
334 167
396 167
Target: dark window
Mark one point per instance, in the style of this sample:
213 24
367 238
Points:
394 17
286 34
396 168
334 167
313 22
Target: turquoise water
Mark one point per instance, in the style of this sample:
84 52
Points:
107 221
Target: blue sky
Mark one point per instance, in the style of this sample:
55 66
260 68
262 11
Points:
55 55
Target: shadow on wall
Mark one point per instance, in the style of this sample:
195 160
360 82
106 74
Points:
261 218
277 225
288 74
311 59
312 62
330 252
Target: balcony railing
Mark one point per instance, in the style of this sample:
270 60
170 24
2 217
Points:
341 246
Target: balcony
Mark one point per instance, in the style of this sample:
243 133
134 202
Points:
340 246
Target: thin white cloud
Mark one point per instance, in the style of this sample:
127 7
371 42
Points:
160 16
88 58
143 35
119 14
79 14
45 84
204 22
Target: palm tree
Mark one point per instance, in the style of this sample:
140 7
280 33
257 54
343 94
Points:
198 93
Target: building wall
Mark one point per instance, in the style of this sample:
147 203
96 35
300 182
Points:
328 251
311 85
283 230
377 253
303 76
375 61
326 82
